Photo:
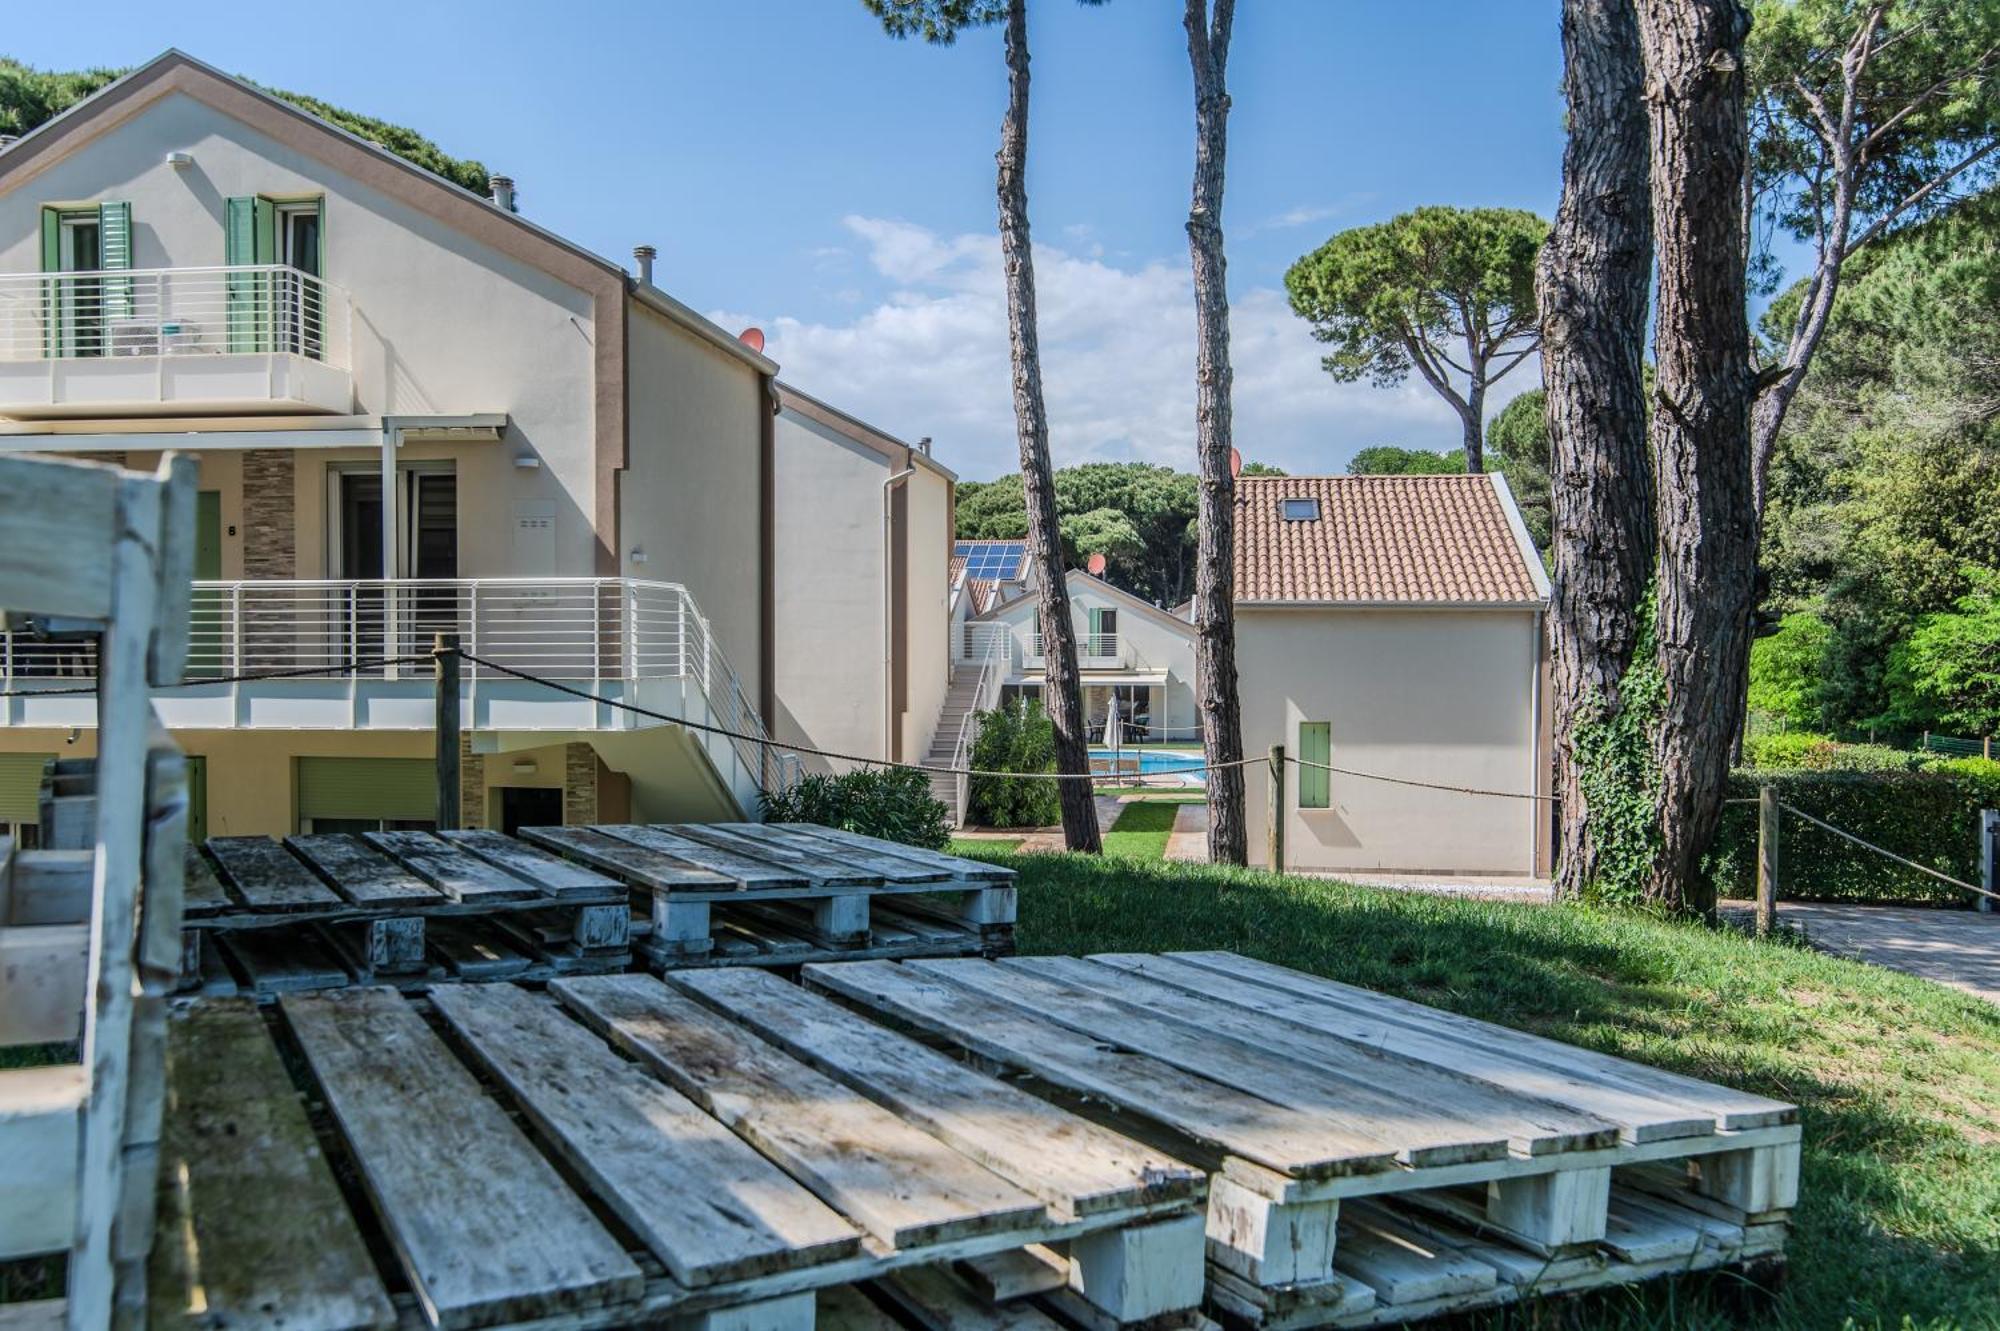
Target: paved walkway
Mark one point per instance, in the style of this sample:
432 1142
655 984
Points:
1960 948
1189 839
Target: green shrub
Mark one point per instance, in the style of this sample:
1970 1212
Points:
1786 670
1015 738
895 805
1929 815
1619 775
1799 751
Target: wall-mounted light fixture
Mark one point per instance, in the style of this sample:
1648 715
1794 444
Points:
180 160
527 461
524 765
638 554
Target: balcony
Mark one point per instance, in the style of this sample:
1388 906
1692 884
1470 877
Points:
1094 651
260 338
617 639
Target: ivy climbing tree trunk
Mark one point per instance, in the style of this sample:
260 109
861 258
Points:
1591 290
1215 577
1062 694
1705 385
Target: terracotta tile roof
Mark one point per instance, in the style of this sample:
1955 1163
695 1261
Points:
984 592
1379 539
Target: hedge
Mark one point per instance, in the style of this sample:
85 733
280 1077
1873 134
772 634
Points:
1929 815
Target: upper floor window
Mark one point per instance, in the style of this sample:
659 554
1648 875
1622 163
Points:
1299 510
83 306
281 306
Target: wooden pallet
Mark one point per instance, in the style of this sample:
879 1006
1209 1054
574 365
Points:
784 894
1338 1122
314 912
619 1151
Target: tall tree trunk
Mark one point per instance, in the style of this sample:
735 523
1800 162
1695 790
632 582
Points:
1062 694
1215 614
1473 419
1591 288
1701 423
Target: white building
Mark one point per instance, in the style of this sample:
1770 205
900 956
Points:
1391 628
416 412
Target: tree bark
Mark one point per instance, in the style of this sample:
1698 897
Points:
1591 290
1473 419
1701 423
1062 694
1215 578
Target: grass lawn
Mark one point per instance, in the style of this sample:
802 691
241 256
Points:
1898 1223
1141 831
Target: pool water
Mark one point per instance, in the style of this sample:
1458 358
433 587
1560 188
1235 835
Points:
1156 762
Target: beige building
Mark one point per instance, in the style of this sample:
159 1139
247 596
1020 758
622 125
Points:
415 413
863 525
1391 628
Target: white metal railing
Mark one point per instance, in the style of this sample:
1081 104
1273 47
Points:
173 312
985 696
1093 649
575 630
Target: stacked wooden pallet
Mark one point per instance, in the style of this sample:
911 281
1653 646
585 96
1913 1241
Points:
624 1151
1373 1160
410 908
751 894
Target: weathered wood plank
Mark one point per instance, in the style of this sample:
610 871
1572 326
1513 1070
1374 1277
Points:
869 854
60 517
1402 1263
940 1301
1732 1109
267 877
555 876
821 868
707 1205
361 873
846 1308
459 874
203 893
903 1185
1212 1114
635 864
748 872
1641 1118
287 960
486 1229
951 866
1533 1126
1002 1277
38 1123
1422 1133
1075 1165
245 1192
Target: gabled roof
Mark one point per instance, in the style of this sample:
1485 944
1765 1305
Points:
1080 582
1384 540
474 214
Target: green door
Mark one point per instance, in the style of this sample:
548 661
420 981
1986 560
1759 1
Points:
197 772
208 644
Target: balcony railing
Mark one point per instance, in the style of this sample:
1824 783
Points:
577 630
172 312
1093 651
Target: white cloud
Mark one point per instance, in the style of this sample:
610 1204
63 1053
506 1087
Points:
1117 351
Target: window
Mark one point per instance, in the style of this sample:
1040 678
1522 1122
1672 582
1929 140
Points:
279 248
1299 510
1103 639
1315 746
364 794
87 310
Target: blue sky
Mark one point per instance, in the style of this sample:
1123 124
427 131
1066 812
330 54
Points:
799 170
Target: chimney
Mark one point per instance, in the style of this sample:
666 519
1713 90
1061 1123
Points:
645 254
503 192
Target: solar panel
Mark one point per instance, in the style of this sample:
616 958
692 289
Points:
993 560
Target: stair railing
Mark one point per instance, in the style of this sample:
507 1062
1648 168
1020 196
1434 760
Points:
992 669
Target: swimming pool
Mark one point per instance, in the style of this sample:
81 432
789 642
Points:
1157 762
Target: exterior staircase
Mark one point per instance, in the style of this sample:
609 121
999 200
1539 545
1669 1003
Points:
958 700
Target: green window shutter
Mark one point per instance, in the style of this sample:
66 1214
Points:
51 240
21 786
51 293
114 244
249 236
367 788
1315 746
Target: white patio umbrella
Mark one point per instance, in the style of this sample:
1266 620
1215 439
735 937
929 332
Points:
1114 731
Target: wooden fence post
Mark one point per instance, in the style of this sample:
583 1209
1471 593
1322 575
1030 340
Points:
444 655
1767 859
1274 812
